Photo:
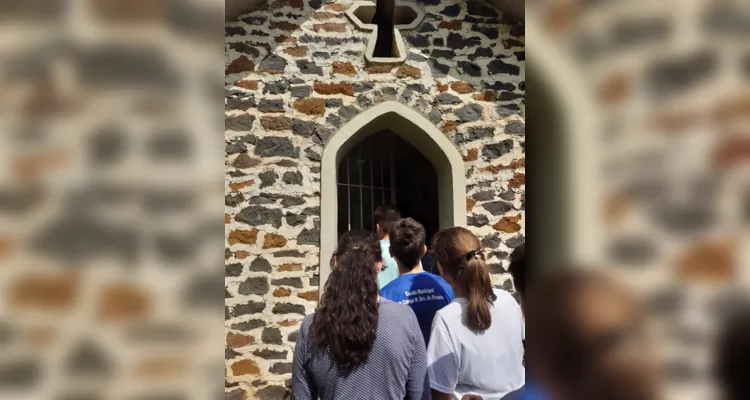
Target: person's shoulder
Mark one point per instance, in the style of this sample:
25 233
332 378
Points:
395 310
392 286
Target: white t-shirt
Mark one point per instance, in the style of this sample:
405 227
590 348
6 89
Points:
489 363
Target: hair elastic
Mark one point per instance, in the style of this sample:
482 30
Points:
474 253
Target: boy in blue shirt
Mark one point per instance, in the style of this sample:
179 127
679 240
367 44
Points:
424 292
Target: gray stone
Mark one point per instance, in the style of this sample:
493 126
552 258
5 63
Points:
239 123
417 87
227 295
235 148
307 67
505 110
260 264
251 307
407 94
271 105
312 154
90 360
289 253
498 207
272 63
281 368
254 286
500 255
360 87
418 40
509 96
480 9
452 11
271 393
273 146
440 42
491 241
364 101
501 67
490 32
496 150
515 241
249 325
310 39
258 215
427 27
508 195
236 394
260 199
474 133
295 220
271 336
455 41
389 91
230 354
233 200
20 373
482 52
348 112
293 336
293 282
447 98
286 308
470 113
677 218
478 220
486 195
673 75
728 19
226 313
309 237
440 53
292 201
276 87
203 290
435 115
244 161
301 91
334 103
315 281
497 268
292 178
632 250
268 354
515 128
334 121
439 69
322 55
303 128
234 269
470 68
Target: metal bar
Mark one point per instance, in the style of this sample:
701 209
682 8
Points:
348 197
382 177
393 179
356 186
372 189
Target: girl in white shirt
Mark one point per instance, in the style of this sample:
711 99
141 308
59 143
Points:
476 341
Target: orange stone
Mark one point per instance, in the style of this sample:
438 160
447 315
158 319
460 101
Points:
379 69
454 25
337 7
406 71
732 109
32 166
311 106
508 224
160 367
322 15
615 209
275 123
470 204
732 151
241 254
311 295
239 185
236 340
442 87
449 126
471 155
40 336
273 240
488 95
708 262
290 267
6 246
462 87
50 292
344 68
614 88
244 237
247 84
245 367
329 27
240 64
517 181
334 88
296 51
283 25
282 292
121 301
289 322
227 219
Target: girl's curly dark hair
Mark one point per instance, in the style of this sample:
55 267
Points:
346 319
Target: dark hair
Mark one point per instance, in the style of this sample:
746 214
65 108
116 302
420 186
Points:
517 269
407 241
733 354
362 240
346 319
459 253
385 216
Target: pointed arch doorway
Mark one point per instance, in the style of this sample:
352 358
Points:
388 154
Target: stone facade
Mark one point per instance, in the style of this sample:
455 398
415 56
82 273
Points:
295 75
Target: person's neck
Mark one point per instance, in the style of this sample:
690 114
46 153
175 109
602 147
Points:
385 237
413 270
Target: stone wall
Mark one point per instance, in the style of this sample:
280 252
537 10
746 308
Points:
296 74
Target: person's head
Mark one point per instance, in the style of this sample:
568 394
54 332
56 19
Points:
385 216
585 338
732 360
460 259
359 240
346 318
517 270
407 243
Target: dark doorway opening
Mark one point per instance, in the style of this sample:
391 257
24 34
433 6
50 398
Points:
385 169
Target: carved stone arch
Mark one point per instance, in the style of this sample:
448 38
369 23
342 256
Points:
419 132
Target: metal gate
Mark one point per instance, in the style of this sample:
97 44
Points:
366 180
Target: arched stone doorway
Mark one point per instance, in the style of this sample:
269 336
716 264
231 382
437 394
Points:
402 131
